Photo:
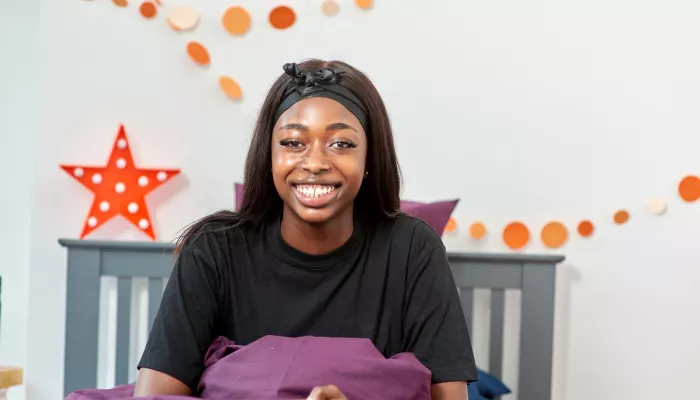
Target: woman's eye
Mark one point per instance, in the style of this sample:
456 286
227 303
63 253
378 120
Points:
291 143
344 145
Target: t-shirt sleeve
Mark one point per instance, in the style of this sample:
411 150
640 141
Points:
184 326
435 328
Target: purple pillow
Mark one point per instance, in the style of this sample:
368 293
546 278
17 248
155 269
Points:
280 368
238 187
435 214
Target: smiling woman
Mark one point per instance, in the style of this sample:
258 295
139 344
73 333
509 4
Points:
318 248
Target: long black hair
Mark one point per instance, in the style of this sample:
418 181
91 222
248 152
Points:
379 195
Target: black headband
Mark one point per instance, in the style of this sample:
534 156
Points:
322 83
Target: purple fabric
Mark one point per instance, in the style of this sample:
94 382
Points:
435 214
279 368
238 187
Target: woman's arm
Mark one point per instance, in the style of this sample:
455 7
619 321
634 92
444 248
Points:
449 391
435 329
151 382
184 328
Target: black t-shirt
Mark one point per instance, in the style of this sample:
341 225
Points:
390 283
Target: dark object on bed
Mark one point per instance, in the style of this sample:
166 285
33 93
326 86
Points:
533 275
488 387
279 368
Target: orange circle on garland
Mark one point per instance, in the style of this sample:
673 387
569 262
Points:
148 9
183 19
120 3
585 228
554 235
330 8
236 20
230 87
621 217
689 188
516 235
198 53
282 17
477 231
364 4
451 225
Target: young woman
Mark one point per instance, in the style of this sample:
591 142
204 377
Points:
318 247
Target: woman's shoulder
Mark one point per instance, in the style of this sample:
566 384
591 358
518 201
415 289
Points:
215 234
405 229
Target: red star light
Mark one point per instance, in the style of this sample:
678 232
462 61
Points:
120 188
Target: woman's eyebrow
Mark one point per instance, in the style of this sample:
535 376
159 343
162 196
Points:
295 126
336 126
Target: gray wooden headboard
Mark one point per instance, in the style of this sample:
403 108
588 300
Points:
88 260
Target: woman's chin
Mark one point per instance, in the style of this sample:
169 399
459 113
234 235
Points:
314 216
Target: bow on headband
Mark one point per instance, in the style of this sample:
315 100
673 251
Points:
322 83
305 78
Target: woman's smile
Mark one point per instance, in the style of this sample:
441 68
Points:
315 195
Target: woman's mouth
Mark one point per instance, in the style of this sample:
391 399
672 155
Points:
315 195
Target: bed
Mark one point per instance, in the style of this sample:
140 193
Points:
90 260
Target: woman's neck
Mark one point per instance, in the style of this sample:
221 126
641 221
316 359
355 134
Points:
316 239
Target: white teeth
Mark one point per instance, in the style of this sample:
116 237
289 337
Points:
314 190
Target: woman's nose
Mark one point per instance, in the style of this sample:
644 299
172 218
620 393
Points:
316 162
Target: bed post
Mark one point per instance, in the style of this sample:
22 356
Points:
537 331
82 316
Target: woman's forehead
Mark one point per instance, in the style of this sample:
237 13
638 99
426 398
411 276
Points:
318 110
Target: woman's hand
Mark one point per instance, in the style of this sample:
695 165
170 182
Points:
329 392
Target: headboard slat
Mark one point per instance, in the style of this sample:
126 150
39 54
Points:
82 318
537 331
121 371
498 305
155 292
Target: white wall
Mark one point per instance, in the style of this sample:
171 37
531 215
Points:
536 110
18 26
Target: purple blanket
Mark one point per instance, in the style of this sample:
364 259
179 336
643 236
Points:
278 368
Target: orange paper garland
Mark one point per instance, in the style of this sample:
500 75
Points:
148 10
621 217
230 87
282 17
451 225
236 20
364 4
477 231
330 8
516 235
585 228
554 235
689 188
183 19
198 53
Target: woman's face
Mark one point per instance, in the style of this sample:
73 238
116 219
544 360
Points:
319 149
